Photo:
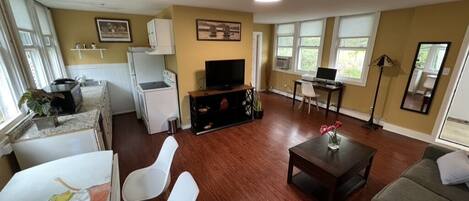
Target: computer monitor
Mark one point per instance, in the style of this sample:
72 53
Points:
326 73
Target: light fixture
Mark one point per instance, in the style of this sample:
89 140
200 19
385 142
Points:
267 1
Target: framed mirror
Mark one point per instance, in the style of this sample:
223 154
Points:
424 76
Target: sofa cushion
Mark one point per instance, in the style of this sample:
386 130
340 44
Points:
454 168
404 189
426 173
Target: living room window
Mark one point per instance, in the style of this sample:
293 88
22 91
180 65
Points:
299 46
352 46
310 41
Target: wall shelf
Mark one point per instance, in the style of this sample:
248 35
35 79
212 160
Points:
96 49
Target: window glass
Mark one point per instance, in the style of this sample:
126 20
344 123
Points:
356 26
21 14
43 19
308 59
353 42
26 38
310 41
37 71
285 41
285 29
350 62
311 28
285 52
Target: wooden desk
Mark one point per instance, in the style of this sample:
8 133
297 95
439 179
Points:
329 88
340 172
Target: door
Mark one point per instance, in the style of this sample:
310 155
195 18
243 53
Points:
257 60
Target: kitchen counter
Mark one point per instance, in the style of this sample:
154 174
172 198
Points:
87 118
67 124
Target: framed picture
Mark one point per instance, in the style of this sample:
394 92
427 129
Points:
113 30
211 30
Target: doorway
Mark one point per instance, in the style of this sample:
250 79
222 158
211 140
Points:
257 61
453 119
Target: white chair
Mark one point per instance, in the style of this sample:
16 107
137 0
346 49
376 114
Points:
309 94
150 182
185 188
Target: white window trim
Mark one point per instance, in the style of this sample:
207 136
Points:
296 46
369 51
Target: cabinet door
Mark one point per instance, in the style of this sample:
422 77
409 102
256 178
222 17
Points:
151 28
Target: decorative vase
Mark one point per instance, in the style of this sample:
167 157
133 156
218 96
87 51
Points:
258 114
334 141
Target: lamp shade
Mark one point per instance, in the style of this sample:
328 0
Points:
383 61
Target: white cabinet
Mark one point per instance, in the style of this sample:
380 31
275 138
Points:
160 36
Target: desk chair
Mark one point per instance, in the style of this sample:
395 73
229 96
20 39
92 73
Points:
308 92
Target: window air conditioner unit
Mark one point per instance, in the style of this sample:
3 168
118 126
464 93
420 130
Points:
283 63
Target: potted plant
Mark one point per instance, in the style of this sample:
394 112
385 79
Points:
258 110
331 131
39 102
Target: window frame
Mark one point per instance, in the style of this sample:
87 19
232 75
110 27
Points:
335 46
296 47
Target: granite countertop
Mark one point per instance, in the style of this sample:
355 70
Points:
87 118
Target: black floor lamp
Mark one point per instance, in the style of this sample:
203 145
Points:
381 62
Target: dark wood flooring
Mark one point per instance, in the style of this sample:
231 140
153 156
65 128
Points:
249 162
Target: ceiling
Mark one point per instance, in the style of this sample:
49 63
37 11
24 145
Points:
284 11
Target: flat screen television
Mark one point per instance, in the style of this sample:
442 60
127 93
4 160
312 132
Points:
224 74
326 73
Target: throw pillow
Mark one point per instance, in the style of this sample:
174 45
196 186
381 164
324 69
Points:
454 168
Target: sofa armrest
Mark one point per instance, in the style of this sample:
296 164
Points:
434 152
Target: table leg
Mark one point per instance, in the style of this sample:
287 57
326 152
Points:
328 102
290 171
294 94
367 170
331 194
339 101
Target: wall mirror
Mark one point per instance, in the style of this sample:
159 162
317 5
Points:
423 80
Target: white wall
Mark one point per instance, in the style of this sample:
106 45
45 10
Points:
117 75
459 109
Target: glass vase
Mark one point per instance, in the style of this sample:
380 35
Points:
334 142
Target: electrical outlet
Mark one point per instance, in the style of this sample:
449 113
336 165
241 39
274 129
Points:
446 71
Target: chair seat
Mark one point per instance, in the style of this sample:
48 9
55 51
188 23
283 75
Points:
143 184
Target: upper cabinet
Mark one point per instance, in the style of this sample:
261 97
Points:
160 36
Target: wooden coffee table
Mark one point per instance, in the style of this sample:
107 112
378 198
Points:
330 175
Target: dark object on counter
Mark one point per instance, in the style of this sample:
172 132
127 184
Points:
45 122
258 114
72 93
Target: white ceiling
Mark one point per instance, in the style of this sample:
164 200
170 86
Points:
284 11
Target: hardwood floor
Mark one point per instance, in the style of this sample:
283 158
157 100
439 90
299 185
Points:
249 162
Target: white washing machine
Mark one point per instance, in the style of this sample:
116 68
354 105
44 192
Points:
158 102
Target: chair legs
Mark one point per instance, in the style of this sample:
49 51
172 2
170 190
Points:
317 104
309 105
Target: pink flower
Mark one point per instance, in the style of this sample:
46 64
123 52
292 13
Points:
323 130
331 128
338 124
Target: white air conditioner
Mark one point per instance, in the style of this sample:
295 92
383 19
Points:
160 36
283 63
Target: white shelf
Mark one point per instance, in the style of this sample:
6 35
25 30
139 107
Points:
89 49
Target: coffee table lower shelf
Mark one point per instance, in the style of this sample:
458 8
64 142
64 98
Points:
313 187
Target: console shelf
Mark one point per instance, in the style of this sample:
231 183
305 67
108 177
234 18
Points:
216 109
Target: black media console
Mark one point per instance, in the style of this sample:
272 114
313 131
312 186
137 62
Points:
216 109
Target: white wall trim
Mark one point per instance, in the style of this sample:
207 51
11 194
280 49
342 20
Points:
364 116
408 132
185 126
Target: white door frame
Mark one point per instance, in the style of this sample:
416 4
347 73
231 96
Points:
257 60
451 89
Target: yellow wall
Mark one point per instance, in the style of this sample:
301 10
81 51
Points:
267 47
80 26
398 34
192 54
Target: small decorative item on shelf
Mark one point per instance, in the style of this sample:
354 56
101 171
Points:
93 45
77 45
331 130
204 109
39 102
84 46
258 110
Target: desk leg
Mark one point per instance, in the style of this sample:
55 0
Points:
339 101
367 170
294 95
328 102
290 171
331 194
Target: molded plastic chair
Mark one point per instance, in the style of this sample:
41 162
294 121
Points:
150 182
185 188
309 94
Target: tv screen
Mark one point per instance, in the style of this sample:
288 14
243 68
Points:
224 73
326 73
